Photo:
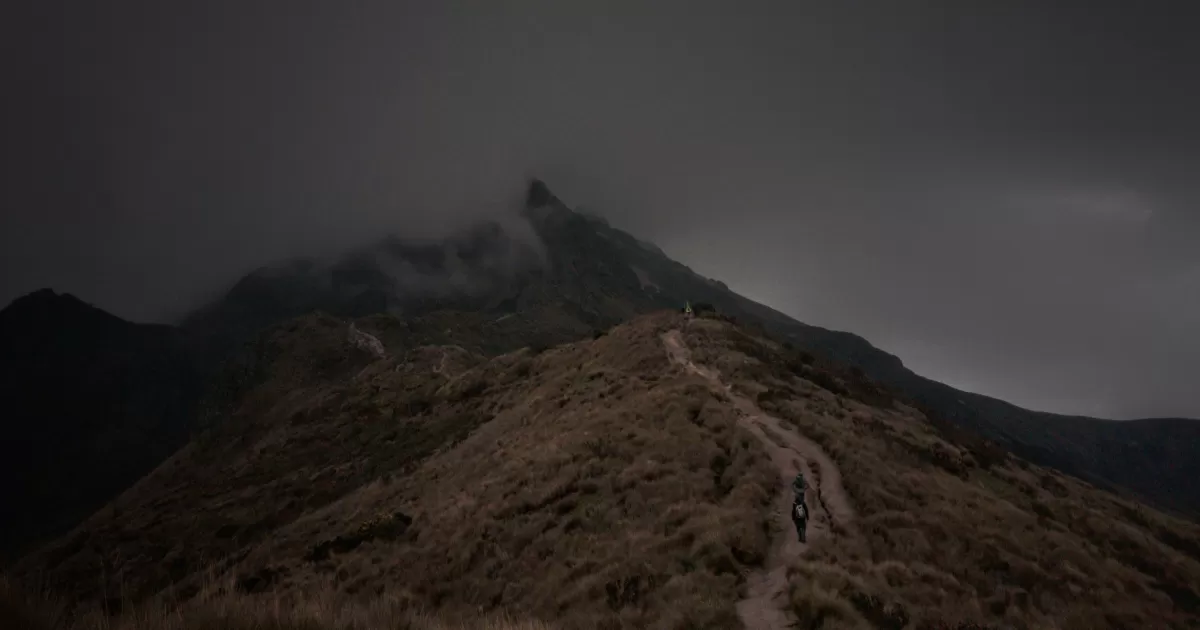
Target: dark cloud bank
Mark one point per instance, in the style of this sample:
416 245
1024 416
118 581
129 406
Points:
1003 196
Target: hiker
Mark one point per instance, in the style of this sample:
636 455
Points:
799 486
687 310
800 518
799 507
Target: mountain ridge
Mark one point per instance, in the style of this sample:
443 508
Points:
629 480
91 403
495 292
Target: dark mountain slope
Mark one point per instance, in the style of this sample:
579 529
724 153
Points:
90 404
1154 459
331 424
626 481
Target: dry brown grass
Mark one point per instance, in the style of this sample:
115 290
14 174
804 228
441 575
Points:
610 490
594 484
225 609
325 420
599 486
952 534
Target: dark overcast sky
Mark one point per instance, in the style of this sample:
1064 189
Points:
1002 193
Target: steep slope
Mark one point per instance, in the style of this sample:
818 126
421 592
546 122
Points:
790 453
952 532
90 404
588 481
633 480
580 274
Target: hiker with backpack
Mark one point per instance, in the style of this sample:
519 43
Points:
799 507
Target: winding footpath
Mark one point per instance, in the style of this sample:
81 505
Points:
765 603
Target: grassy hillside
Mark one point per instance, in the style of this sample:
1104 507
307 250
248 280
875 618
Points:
583 483
222 608
953 531
598 484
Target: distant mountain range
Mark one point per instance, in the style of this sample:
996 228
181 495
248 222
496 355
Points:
85 391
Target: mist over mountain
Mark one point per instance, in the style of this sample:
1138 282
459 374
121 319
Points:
547 315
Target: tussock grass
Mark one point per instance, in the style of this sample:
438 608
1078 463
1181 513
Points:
611 490
594 484
599 486
224 609
952 533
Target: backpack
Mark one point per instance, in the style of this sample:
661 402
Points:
801 512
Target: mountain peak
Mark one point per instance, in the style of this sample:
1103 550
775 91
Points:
538 195
46 305
43 296
90 403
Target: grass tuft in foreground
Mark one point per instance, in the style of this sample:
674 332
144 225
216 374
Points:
225 609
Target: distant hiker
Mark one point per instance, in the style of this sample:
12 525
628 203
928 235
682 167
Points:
799 507
799 486
800 517
687 309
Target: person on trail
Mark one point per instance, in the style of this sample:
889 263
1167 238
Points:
800 517
799 507
799 486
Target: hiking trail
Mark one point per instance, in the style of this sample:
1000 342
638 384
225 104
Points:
765 604
366 342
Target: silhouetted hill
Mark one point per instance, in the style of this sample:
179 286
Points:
1153 459
90 403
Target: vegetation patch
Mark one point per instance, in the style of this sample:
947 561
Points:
383 526
954 532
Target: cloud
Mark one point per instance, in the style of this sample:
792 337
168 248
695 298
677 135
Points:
1005 189
1118 206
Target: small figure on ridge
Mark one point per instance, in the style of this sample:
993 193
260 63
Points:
799 507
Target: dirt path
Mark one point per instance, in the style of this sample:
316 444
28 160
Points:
440 368
366 341
764 606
